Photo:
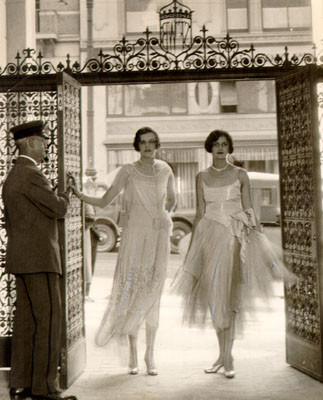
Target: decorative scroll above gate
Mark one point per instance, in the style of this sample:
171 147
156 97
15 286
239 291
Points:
149 53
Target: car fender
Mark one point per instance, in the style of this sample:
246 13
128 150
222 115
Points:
179 218
110 222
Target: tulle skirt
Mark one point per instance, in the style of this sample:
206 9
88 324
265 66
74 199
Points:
225 271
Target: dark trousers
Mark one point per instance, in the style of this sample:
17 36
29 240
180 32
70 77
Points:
95 237
36 340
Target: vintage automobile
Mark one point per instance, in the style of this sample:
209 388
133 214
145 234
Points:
265 196
109 223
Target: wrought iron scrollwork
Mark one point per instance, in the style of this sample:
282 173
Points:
16 108
298 213
149 53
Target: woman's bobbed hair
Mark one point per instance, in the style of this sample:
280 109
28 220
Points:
143 131
214 136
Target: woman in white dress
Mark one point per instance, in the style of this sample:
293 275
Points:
229 260
149 196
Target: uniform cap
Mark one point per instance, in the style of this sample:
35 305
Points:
31 128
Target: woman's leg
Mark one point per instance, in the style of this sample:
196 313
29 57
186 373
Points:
133 359
151 332
220 360
228 345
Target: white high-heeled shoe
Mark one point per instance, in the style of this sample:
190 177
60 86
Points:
151 369
229 373
214 369
133 371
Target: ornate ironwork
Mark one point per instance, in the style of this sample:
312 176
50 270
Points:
298 214
16 108
149 53
175 26
69 104
320 112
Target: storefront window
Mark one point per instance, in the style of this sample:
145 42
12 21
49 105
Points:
255 97
147 100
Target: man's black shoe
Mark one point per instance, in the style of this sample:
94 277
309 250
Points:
53 397
19 393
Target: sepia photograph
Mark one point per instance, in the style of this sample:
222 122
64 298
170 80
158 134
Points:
161 199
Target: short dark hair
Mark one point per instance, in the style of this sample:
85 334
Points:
143 131
214 136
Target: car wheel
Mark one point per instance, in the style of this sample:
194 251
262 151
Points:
108 237
180 230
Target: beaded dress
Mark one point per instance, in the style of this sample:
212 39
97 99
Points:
143 254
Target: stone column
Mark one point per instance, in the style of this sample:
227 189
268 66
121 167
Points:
317 24
254 16
90 170
3 34
21 32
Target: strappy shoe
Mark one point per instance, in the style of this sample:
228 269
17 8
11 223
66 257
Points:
214 369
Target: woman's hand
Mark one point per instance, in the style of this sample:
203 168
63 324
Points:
72 185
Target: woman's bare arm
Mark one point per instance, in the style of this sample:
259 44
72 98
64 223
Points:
171 193
246 198
118 184
200 201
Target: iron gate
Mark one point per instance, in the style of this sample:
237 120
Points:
56 101
301 206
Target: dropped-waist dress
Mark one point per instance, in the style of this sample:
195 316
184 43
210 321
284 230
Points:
143 255
228 264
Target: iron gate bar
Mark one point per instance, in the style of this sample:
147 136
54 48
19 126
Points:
47 82
34 83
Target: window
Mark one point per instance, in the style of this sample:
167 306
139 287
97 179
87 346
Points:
266 197
228 97
143 13
286 14
256 165
147 100
256 97
237 15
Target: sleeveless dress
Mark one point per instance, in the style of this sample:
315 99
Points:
228 264
143 255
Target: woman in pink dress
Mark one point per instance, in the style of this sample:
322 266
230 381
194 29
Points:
229 261
149 197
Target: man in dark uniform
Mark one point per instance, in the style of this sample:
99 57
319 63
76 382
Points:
31 211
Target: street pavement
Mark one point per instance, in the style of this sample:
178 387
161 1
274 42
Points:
182 353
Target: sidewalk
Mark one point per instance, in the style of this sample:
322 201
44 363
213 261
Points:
182 354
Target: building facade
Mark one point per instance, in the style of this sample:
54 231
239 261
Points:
182 113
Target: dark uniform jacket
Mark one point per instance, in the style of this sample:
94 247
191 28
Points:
31 212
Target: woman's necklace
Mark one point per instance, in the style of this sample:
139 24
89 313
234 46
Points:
219 169
150 166
147 165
